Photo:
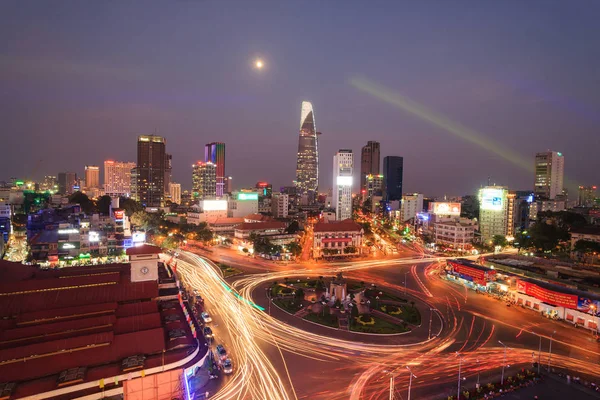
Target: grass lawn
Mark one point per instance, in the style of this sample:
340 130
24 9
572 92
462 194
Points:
384 296
406 313
289 305
228 270
380 326
327 320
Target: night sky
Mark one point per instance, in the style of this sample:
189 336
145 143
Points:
79 80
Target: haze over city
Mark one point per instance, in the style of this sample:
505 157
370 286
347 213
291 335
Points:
82 80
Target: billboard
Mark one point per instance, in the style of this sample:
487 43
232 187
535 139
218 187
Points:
479 276
344 181
247 196
214 205
94 236
119 214
548 296
138 237
443 208
492 199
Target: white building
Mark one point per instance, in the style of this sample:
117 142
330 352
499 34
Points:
454 234
549 174
280 203
117 178
175 192
493 215
411 205
342 184
241 204
333 238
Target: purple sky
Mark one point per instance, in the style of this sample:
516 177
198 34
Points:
79 80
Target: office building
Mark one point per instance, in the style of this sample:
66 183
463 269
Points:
373 186
493 212
204 180
67 182
307 166
92 177
215 153
587 196
370 161
241 204
411 205
549 174
175 192
150 171
454 234
280 204
117 178
342 183
393 169
168 167
50 183
518 209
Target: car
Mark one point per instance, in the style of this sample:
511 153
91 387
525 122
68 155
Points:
206 317
221 352
227 366
208 333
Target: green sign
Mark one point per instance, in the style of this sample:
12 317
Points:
247 196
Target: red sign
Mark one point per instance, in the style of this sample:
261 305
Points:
479 276
329 240
119 214
547 296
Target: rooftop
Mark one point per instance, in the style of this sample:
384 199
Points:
257 217
257 226
346 225
471 264
587 230
143 249
224 221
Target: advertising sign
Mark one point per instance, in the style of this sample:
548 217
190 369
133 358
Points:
439 208
492 199
344 181
588 306
138 237
247 196
548 296
94 236
215 205
119 215
472 274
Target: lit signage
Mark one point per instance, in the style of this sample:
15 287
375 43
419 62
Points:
138 237
247 196
439 208
67 231
68 246
344 181
214 205
492 199
94 236
119 215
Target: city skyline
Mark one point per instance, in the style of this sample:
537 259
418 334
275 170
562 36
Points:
94 93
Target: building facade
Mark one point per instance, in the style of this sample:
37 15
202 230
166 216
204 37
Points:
175 192
67 182
337 238
456 235
150 171
393 169
343 162
204 180
117 178
307 165
493 211
411 205
280 203
215 153
92 176
586 196
373 186
549 174
370 161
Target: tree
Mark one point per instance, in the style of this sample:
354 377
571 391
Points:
295 248
130 206
349 250
87 205
587 246
366 227
103 204
499 240
546 237
522 240
299 293
293 228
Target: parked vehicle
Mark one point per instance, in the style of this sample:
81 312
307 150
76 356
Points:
206 317
221 352
227 366
208 333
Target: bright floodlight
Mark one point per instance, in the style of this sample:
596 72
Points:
259 64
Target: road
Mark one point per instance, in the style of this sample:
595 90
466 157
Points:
276 360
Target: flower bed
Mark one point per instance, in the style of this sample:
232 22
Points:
370 324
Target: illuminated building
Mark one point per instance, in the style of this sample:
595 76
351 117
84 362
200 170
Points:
50 183
411 205
549 174
228 185
337 238
370 162
372 186
456 235
393 169
518 210
242 204
92 177
266 188
151 169
279 205
587 196
342 183
175 192
307 166
117 178
204 180
67 182
493 215
215 153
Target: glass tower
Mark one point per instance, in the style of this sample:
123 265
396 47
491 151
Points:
307 167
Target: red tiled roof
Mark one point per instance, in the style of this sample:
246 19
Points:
346 225
137 323
257 217
257 226
65 313
143 249
224 221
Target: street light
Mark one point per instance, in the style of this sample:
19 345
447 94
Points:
550 350
430 320
410 380
539 352
391 374
503 363
478 370
460 359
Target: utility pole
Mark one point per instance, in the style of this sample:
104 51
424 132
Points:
550 350
459 366
410 380
503 363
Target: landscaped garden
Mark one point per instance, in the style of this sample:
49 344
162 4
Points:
407 313
291 305
228 270
323 318
370 324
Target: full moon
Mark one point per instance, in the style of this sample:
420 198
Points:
258 64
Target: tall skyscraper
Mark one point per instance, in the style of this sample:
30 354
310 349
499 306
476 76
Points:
343 162
50 183
307 166
92 176
493 211
370 161
215 153
150 170
67 181
175 192
117 178
204 180
549 174
393 169
168 160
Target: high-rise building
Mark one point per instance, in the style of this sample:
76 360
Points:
549 174
117 178
370 162
518 210
342 182
373 186
168 160
204 180
412 204
50 183
393 169
175 192
67 182
151 170
215 153
92 176
493 211
280 204
587 196
307 166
